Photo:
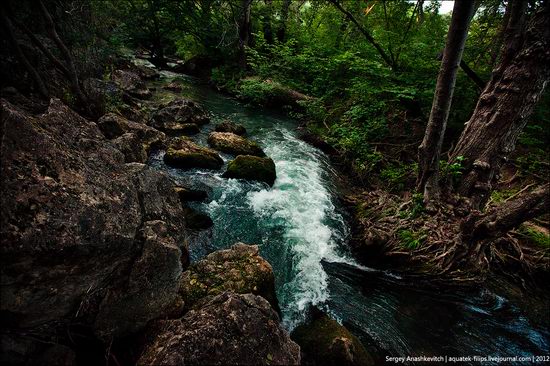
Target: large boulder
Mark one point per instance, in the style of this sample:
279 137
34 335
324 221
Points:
113 126
130 145
131 83
84 237
146 73
325 342
250 167
239 269
234 144
176 115
228 126
184 153
228 329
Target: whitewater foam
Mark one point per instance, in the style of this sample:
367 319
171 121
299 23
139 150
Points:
301 203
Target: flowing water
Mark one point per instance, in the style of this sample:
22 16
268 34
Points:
302 232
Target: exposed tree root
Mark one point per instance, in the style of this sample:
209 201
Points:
434 243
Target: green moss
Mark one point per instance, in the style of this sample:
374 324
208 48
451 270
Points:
192 159
501 196
252 168
325 342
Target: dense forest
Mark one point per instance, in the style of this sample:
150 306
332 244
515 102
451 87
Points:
342 182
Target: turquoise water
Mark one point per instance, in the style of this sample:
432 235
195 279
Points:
302 232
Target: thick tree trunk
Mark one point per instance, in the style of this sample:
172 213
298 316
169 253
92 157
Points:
505 105
430 149
508 215
244 32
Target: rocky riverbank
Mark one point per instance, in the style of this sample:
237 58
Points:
93 238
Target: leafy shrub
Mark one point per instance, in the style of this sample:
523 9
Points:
396 176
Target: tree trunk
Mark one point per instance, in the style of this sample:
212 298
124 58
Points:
41 87
430 149
73 75
508 215
244 32
268 19
505 105
387 59
281 31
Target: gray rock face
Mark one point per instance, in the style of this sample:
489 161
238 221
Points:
234 144
129 144
228 329
82 233
113 126
171 116
131 83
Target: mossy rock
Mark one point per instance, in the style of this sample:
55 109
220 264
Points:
228 126
183 153
252 168
239 269
234 144
183 128
325 342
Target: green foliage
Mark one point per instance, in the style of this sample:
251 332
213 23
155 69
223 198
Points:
259 91
534 162
396 176
452 171
535 236
411 239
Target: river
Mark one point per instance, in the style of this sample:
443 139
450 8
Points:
303 232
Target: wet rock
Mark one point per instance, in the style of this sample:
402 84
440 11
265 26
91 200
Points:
229 329
130 145
79 228
174 86
113 125
183 153
187 194
251 168
228 126
146 73
196 220
316 141
187 129
239 269
131 83
234 144
171 116
325 342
